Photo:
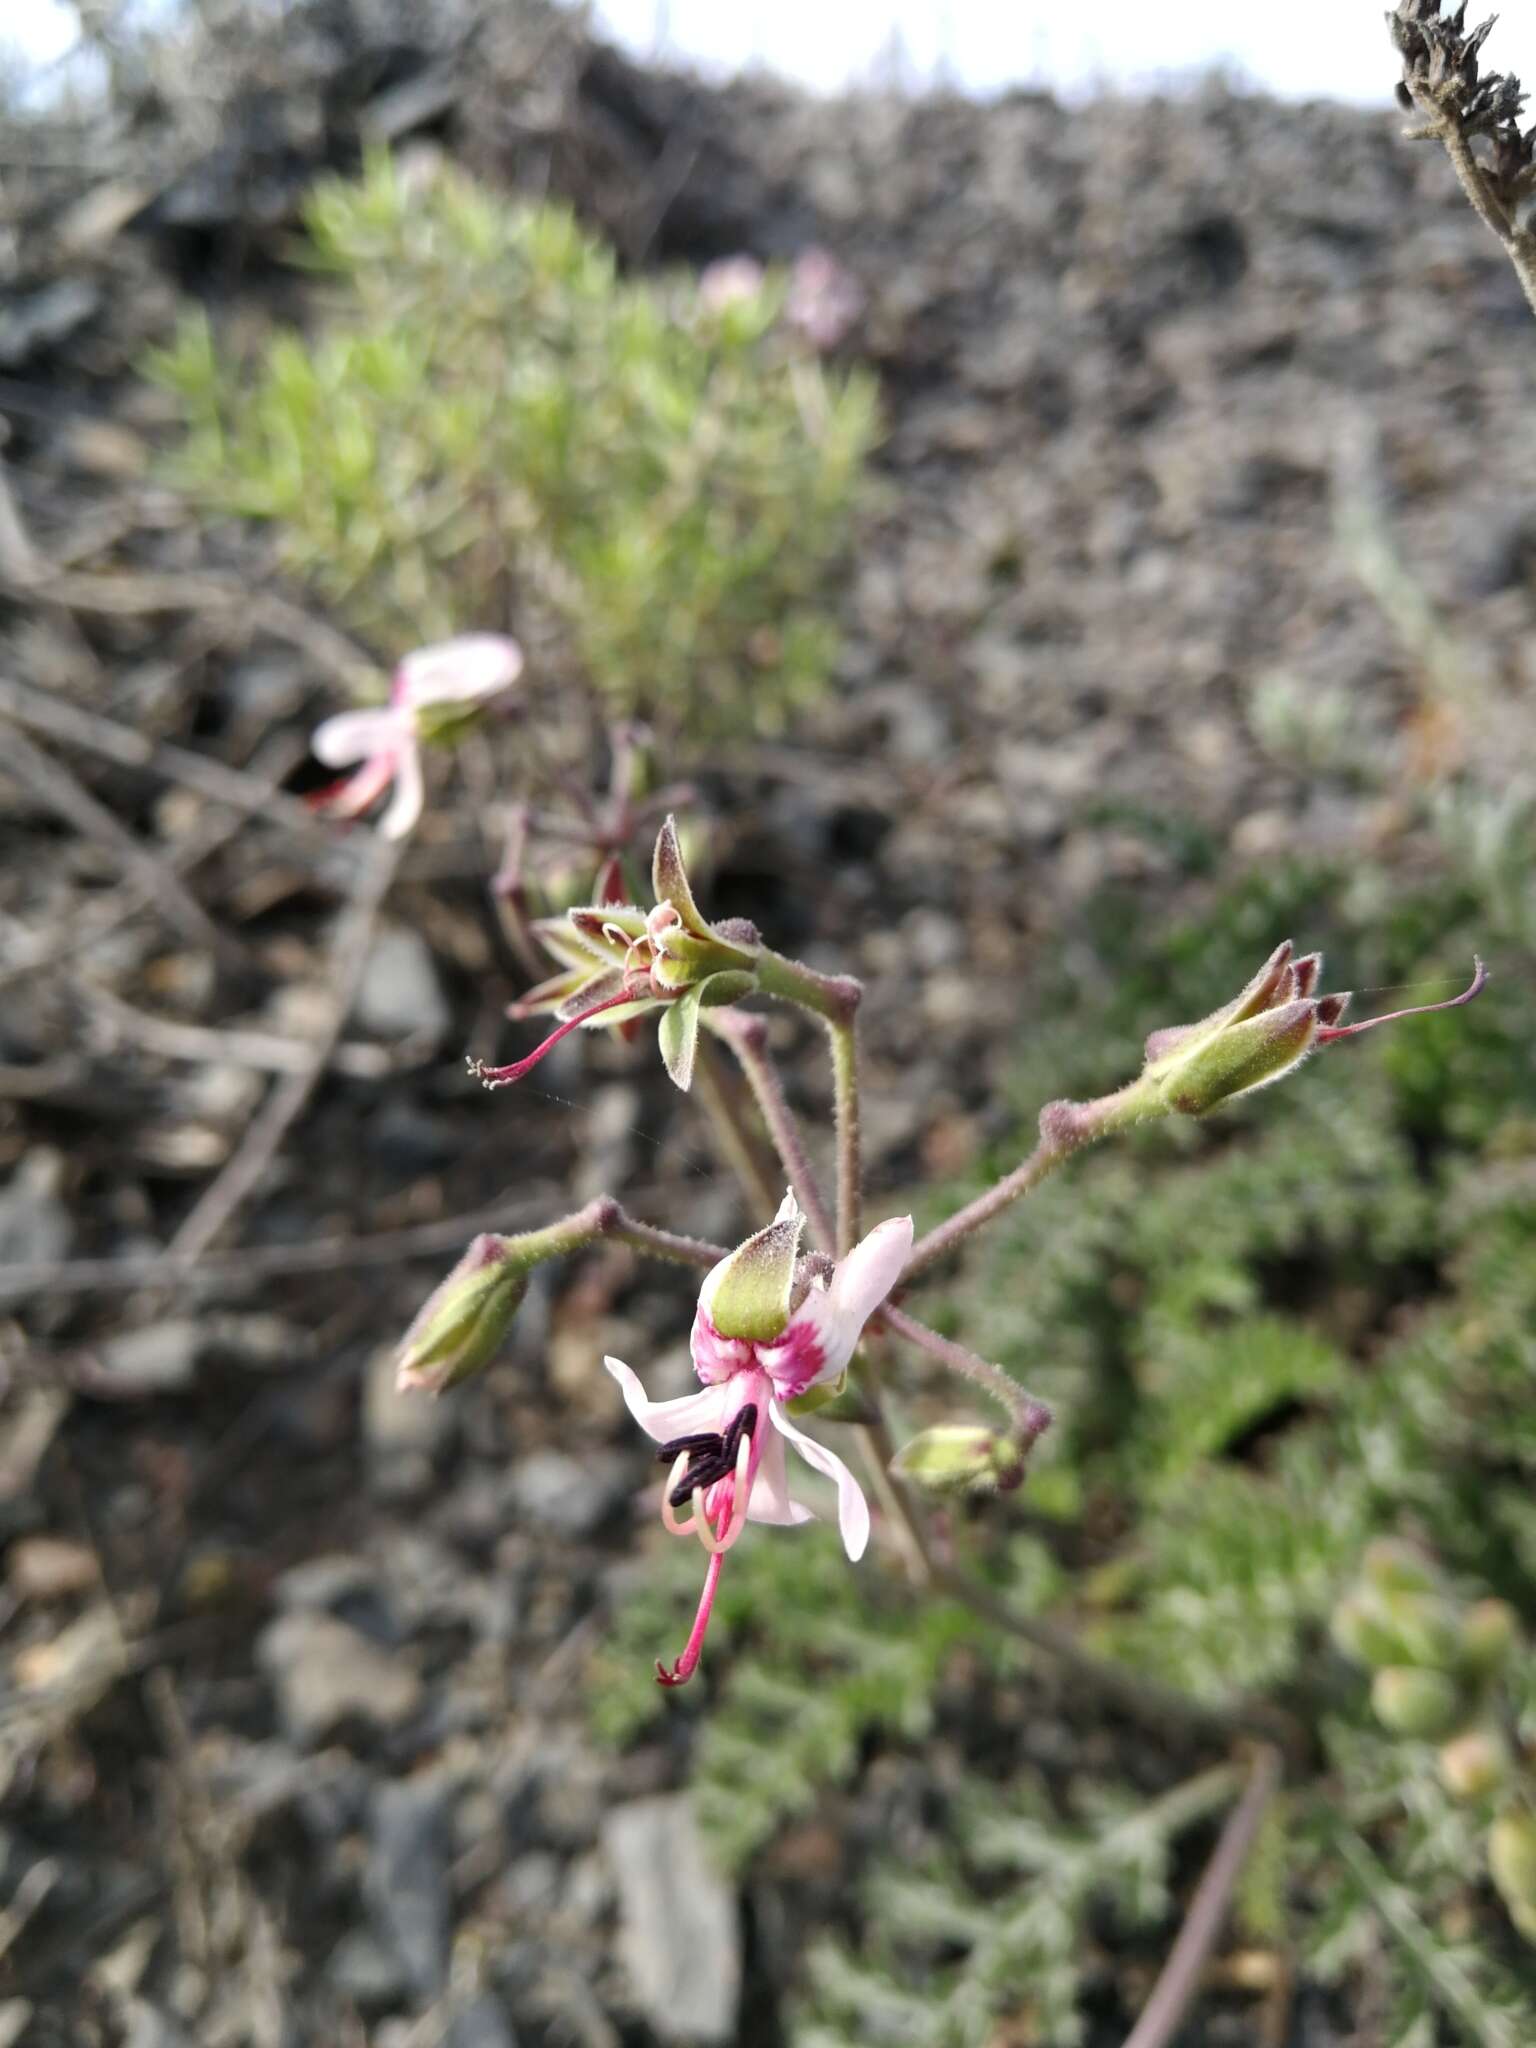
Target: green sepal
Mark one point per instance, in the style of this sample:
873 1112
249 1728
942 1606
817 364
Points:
464 1321
749 1294
678 1036
669 879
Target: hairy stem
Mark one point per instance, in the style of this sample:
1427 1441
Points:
747 1036
1180 1976
1029 1418
604 1219
835 999
740 1149
850 1163
1065 1128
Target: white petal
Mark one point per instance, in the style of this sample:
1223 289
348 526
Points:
355 736
405 804
852 1508
693 1415
824 1331
770 1501
459 671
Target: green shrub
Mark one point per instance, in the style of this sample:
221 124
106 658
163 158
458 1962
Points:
491 428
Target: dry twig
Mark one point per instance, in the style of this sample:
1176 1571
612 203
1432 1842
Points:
1180 1976
263 1139
1459 107
49 780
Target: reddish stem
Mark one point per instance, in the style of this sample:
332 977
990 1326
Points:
1479 982
687 1664
499 1077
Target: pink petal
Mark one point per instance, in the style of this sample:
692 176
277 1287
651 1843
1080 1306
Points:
356 736
405 805
458 671
852 1508
352 796
769 1500
824 1331
693 1415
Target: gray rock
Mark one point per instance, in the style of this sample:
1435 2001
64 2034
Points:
401 995
407 1883
679 1937
570 1497
149 2027
322 1584
327 1675
38 321
365 1970
480 2024
531 1886
403 1433
35 1226
160 1358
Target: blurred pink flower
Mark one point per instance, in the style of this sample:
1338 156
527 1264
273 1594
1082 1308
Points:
432 689
824 298
725 1444
729 281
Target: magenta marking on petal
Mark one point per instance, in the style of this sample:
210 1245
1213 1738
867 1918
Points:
688 1663
717 1358
794 1362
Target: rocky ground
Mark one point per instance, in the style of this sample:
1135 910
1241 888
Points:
1203 416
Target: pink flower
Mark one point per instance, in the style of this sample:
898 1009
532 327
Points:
730 281
433 691
725 1446
824 298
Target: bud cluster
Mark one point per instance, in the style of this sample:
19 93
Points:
1446 1671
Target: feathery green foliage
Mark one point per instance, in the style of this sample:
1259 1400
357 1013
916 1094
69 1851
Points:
494 429
1270 1338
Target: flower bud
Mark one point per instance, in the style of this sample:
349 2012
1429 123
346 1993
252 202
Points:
960 1458
1489 1632
1363 1632
1474 1764
461 1325
1512 1865
1390 1566
750 1293
1239 1057
1428 1628
1413 1702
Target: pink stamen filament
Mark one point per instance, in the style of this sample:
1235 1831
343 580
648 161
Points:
687 1664
734 1520
499 1077
669 1518
1479 982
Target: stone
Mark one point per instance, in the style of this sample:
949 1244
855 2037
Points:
403 1433
570 1497
679 1936
50 1568
407 1883
365 1970
149 2027
401 995
35 1226
159 1358
327 1675
480 2024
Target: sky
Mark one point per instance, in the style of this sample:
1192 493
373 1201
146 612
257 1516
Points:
1297 48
